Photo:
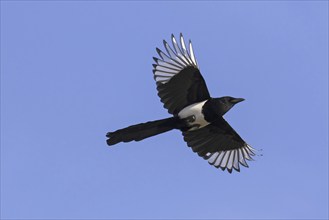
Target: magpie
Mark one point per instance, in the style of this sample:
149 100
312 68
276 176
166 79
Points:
196 114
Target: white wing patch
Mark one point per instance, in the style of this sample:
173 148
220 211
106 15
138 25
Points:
231 159
174 61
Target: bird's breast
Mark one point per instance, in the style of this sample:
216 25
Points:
193 115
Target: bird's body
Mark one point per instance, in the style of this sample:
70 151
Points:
193 115
198 116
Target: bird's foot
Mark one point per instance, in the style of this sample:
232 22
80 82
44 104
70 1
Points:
190 119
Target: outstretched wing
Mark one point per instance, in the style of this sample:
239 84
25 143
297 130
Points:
178 79
220 145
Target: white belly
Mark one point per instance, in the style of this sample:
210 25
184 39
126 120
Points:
196 111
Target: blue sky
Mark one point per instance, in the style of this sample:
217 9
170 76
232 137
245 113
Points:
71 71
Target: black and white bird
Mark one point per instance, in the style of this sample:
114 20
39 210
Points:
196 114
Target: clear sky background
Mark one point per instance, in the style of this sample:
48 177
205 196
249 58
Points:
72 71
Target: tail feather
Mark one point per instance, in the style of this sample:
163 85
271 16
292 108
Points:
141 131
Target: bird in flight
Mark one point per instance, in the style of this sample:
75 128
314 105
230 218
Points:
196 114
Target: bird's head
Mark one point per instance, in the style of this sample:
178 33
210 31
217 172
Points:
227 102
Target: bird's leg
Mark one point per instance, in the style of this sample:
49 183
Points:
190 119
185 124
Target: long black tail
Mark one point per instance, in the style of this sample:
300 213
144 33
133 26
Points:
141 131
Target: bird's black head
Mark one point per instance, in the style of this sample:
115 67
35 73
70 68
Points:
227 102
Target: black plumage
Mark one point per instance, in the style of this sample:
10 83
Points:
186 88
184 93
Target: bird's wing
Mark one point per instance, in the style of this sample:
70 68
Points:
179 81
220 145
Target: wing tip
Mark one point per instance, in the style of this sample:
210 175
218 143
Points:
172 36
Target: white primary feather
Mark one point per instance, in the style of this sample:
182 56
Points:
174 61
231 159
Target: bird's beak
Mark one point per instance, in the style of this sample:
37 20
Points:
237 100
